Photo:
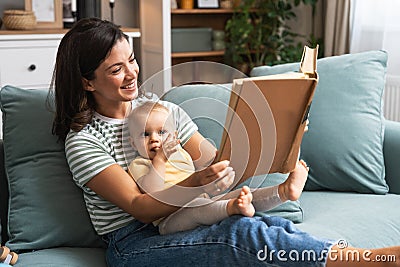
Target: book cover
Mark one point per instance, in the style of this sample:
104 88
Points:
266 120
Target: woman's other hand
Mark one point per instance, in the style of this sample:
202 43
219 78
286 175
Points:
216 178
307 123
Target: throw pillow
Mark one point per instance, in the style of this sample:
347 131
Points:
344 144
46 208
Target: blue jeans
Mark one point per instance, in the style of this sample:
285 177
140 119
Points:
236 241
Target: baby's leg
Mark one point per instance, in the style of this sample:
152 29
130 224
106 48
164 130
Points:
267 198
292 188
192 217
264 198
242 205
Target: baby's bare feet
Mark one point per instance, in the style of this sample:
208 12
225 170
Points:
242 204
292 188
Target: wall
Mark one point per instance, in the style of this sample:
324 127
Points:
125 11
11 4
303 23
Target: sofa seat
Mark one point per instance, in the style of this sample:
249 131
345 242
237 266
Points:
63 256
363 220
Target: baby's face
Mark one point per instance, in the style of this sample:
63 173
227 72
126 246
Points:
150 132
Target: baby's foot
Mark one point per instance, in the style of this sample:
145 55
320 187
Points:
242 204
292 188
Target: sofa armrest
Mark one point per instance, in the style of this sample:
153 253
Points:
3 196
391 150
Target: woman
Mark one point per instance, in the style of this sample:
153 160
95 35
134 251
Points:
95 89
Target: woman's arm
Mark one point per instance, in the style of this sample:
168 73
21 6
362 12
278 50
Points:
117 186
201 150
203 154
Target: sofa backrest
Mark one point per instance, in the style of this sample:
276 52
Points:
45 207
206 104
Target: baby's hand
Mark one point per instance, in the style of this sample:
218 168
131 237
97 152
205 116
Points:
169 146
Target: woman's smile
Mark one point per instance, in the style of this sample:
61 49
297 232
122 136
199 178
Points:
130 86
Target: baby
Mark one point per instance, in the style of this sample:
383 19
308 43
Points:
162 162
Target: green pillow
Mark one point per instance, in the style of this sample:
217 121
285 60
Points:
46 208
344 144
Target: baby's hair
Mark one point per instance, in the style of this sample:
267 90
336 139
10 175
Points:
145 108
148 107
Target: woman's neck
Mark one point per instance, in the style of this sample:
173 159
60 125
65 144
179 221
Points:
117 111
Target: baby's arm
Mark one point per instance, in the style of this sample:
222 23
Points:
154 179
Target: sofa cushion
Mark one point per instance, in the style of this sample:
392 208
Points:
46 208
344 144
64 257
207 105
362 220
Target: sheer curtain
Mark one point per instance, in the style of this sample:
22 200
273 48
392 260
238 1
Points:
376 25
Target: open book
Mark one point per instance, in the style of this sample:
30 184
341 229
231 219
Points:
266 120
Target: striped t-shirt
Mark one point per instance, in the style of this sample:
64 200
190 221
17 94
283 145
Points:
105 142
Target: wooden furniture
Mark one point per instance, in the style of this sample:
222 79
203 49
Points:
156 38
27 58
213 18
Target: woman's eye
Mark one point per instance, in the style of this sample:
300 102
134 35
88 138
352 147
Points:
116 71
132 60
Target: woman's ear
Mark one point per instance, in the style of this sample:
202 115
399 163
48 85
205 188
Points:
87 85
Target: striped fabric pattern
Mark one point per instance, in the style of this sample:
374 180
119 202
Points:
100 144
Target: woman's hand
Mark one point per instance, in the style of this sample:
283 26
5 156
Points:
307 123
214 179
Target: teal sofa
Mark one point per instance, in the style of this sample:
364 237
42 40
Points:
352 193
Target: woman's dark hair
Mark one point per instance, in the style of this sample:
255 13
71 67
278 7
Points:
81 51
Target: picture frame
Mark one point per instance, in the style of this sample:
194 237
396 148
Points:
49 13
207 4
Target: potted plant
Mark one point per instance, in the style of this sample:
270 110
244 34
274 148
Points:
257 34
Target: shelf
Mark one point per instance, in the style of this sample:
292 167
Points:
202 11
135 32
198 54
38 31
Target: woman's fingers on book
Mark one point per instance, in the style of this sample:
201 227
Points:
219 177
227 181
307 123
